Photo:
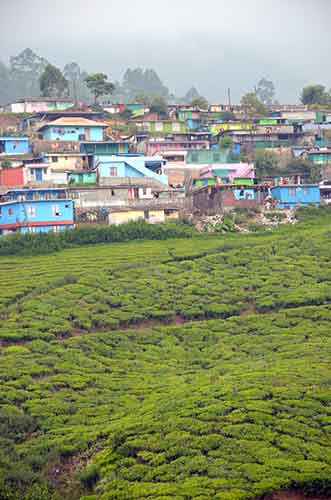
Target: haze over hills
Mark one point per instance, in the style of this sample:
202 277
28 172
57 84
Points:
212 46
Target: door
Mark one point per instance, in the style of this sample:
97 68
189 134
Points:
39 174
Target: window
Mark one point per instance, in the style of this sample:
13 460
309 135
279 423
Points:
31 211
216 157
159 127
65 158
176 127
112 192
45 170
113 171
31 171
56 210
10 211
195 157
54 159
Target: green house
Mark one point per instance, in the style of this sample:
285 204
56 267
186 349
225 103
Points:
162 127
83 177
207 156
320 157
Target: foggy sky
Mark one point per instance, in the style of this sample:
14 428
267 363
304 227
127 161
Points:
212 44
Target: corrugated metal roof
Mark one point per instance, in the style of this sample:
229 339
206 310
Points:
74 121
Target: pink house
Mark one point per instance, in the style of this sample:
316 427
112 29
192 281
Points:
230 170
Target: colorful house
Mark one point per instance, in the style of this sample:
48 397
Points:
320 156
39 104
105 148
35 210
292 196
227 173
115 168
81 177
207 156
160 126
73 129
14 145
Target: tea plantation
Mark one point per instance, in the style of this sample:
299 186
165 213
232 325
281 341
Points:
184 369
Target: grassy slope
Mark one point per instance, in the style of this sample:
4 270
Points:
232 404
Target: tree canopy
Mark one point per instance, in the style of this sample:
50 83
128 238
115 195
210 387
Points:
265 91
98 85
53 83
252 105
315 94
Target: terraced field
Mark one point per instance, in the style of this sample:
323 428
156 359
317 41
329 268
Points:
174 370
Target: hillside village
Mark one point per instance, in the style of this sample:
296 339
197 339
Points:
64 163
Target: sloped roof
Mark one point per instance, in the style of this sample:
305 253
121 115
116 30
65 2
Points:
74 121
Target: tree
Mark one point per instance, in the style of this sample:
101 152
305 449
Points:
98 85
53 83
252 105
266 163
199 102
226 142
265 91
25 71
159 105
138 81
315 94
191 94
305 168
72 73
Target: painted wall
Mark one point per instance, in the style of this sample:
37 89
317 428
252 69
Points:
292 196
320 158
12 177
36 214
14 145
83 177
127 166
72 133
65 162
105 148
39 106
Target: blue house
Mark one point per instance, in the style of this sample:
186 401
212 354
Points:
14 145
35 210
73 129
292 196
120 168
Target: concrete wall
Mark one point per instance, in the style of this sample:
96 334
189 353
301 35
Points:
72 133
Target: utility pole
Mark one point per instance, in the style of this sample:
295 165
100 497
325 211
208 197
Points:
229 97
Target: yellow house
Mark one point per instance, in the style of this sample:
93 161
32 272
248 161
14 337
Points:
67 161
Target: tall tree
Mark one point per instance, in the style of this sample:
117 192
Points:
71 73
159 105
252 105
315 94
265 91
25 70
199 102
53 83
191 94
98 85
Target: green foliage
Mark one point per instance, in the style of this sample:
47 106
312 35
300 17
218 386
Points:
42 243
226 142
53 83
159 105
266 163
315 94
199 102
184 369
98 85
252 105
